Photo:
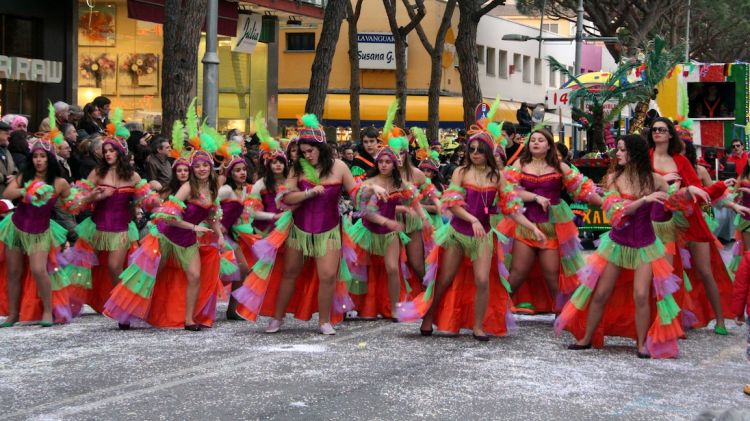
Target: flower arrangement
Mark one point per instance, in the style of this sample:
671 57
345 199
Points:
97 68
137 65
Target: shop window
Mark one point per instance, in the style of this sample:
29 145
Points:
490 62
300 41
502 64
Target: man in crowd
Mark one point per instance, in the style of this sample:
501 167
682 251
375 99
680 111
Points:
738 156
366 151
348 154
62 110
103 104
7 167
524 119
63 155
158 167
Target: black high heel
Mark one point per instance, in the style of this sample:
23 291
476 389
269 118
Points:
193 328
576 347
481 338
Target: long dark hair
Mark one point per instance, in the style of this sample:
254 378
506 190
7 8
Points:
395 174
174 183
213 184
551 157
691 154
493 172
269 181
325 160
675 144
53 170
123 168
407 166
638 169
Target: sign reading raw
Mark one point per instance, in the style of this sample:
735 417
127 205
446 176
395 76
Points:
20 68
376 50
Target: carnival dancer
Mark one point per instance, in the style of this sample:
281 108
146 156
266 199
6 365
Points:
540 179
173 280
37 288
180 176
429 164
312 230
469 292
616 283
376 287
708 289
97 258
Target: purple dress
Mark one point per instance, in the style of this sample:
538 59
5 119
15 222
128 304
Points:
639 232
33 219
480 202
549 186
113 213
231 211
194 214
386 209
269 205
659 213
321 213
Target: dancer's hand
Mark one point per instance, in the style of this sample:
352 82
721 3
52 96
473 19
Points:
220 241
699 193
277 216
317 190
744 190
729 182
539 235
394 225
201 228
672 177
656 197
380 192
742 210
478 229
542 201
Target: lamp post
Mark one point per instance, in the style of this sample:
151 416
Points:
211 65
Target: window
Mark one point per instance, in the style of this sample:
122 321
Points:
526 69
490 62
502 64
552 78
480 54
300 41
516 63
537 71
550 27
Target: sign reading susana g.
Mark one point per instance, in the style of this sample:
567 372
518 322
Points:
376 50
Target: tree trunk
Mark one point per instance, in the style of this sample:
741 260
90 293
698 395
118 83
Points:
596 132
433 93
321 67
400 47
182 35
466 48
352 16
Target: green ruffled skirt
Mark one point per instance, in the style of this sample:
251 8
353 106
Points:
102 240
558 214
473 247
665 231
14 238
411 223
314 245
184 255
375 244
629 257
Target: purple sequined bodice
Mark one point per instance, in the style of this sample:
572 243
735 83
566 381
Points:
639 232
112 214
549 186
320 213
231 212
269 205
479 203
659 213
195 214
386 209
32 219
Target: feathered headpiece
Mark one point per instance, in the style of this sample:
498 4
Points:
685 130
490 132
310 130
203 142
389 152
117 134
178 145
428 159
48 140
270 148
393 136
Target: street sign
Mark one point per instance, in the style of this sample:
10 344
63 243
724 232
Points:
248 32
481 111
557 98
377 50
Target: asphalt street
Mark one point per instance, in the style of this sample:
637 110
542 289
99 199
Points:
89 370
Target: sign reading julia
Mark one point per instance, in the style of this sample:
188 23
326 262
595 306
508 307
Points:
36 70
248 33
376 50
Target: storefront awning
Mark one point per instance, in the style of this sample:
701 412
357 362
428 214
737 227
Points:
373 109
153 11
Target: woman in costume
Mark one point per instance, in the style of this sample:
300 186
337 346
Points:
172 280
429 164
709 298
469 292
37 288
97 258
632 189
376 287
540 180
313 230
180 176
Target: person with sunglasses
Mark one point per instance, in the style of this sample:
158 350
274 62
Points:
708 287
546 271
464 285
738 156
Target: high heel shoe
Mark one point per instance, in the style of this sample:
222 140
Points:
481 338
7 324
45 323
193 327
425 332
577 347
123 326
721 330
643 355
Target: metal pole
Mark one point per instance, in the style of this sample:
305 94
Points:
579 36
541 25
211 65
687 35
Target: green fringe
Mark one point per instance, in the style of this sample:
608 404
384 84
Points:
314 245
686 282
665 231
741 224
411 223
711 222
14 238
373 243
262 268
79 276
572 264
680 221
629 257
59 279
103 240
243 229
548 228
581 296
472 247
668 309
506 285
226 267
405 239
184 255
137 281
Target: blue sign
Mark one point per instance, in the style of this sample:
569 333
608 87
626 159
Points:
481 111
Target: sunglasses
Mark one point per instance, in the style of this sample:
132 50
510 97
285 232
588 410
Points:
475 150
660 130
737 146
